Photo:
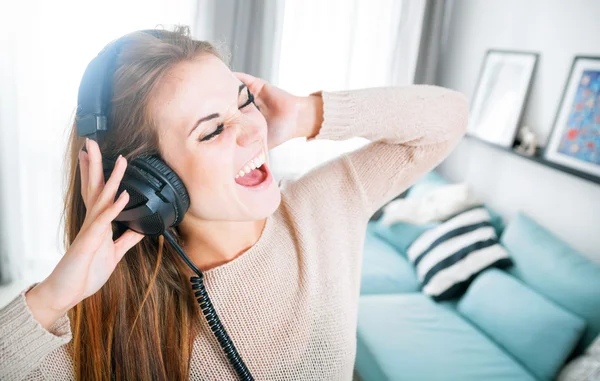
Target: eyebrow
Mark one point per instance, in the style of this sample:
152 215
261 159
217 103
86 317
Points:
213 115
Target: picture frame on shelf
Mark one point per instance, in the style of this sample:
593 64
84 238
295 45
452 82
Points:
500 95
575 137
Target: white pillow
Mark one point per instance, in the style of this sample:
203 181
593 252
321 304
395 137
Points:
585 367
435 206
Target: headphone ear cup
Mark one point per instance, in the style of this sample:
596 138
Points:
157 197
166 172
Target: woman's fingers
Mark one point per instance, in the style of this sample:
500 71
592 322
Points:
96 175
125 242
107 195
83 172
254 84
113 211
100 223
246 78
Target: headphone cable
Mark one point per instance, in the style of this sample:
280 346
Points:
211 315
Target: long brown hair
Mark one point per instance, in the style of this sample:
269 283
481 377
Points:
141 324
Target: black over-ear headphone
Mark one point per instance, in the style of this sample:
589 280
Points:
158 199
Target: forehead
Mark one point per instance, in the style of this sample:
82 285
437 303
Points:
192 89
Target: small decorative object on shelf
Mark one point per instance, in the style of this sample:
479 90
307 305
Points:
526 142
501 95
537 157
575 138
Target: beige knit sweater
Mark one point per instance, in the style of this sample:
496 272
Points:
290 302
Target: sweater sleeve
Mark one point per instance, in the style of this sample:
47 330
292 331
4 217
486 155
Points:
411 128
24 343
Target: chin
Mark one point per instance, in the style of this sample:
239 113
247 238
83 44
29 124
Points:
262 205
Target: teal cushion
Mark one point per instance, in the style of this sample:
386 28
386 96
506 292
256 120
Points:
496 221
555 270
401 235
427 183
385 270
410 337
537 332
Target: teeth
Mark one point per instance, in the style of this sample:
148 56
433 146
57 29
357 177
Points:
252 164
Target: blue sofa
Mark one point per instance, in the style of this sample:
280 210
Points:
519 324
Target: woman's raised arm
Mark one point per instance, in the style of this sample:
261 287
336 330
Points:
411 128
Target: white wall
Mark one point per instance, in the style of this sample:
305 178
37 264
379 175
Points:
558 30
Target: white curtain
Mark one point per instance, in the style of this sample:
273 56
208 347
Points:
337 45
44 49
300 45
249 29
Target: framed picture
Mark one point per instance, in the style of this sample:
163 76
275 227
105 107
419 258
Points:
500 96
575 138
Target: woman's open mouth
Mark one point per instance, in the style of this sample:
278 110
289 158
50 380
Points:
255 174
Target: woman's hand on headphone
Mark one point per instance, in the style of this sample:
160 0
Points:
288 116
93 255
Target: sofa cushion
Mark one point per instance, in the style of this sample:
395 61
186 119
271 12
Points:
448 257
555 270
534 330
384 269
401 235
436 205
410 337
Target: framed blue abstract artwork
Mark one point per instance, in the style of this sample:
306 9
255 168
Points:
575 138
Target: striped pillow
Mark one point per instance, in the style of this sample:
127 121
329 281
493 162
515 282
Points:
448 257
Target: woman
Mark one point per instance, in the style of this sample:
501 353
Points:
282 266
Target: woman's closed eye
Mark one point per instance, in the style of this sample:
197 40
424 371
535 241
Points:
221 126
213 134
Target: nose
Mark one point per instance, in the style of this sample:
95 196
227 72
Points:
248 133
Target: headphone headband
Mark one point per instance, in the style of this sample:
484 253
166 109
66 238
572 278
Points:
96 88
95 91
